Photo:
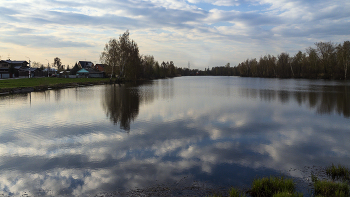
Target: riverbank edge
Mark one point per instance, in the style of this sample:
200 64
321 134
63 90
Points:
87 82
19 90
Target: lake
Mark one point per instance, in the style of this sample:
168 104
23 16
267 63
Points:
204 131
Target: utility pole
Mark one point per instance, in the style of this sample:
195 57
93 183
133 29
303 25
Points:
29 67
48 67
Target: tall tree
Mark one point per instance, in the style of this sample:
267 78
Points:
156 70
36 64
148 62
75 69
326 54
283 65
110 55
57 63
122 53
343 56
313 62
297 64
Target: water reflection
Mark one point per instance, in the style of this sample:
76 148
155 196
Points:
122 102
121 105
215 130
325 99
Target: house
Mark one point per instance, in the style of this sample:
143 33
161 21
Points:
63 74
83 73
90 73
85 64
100 67
34 72
10 68
52 71
96 73
9 63
4 73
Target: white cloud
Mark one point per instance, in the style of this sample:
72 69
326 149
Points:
81 28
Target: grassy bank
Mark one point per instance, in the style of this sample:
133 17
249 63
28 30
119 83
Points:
48 81
39 84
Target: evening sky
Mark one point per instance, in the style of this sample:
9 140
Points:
205 33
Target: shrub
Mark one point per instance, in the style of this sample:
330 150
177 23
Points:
270 186
236 193
327 188
338 172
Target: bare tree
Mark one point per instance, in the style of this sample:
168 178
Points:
122 53
57 63
344 56
327 56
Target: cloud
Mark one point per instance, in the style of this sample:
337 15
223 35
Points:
259 26
72 148
41 41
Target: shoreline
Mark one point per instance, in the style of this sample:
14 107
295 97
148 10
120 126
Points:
53 85
27 85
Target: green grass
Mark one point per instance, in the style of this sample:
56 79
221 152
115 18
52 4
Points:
232 193
328 188
282 187
45 81
236 193
271 186
338 187
287 194
338 172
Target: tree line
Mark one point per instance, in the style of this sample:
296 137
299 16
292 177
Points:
326 61
123 60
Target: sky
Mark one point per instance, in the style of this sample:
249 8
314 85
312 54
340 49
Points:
202 33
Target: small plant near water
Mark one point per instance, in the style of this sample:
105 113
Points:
328 188
287 194
236 193
338 173
338 186
233 192
272 186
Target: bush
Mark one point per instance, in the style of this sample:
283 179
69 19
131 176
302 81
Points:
236 193
270 186
338 173
327 188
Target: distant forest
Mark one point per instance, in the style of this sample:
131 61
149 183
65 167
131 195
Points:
326 61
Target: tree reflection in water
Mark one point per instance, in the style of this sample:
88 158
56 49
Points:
325 99
121 105
122 102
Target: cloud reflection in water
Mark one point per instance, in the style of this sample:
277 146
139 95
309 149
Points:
222 130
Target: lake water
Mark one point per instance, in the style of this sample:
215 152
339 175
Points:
212 131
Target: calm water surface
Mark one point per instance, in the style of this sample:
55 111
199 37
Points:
221 131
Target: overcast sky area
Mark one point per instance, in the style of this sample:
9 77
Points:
205 33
